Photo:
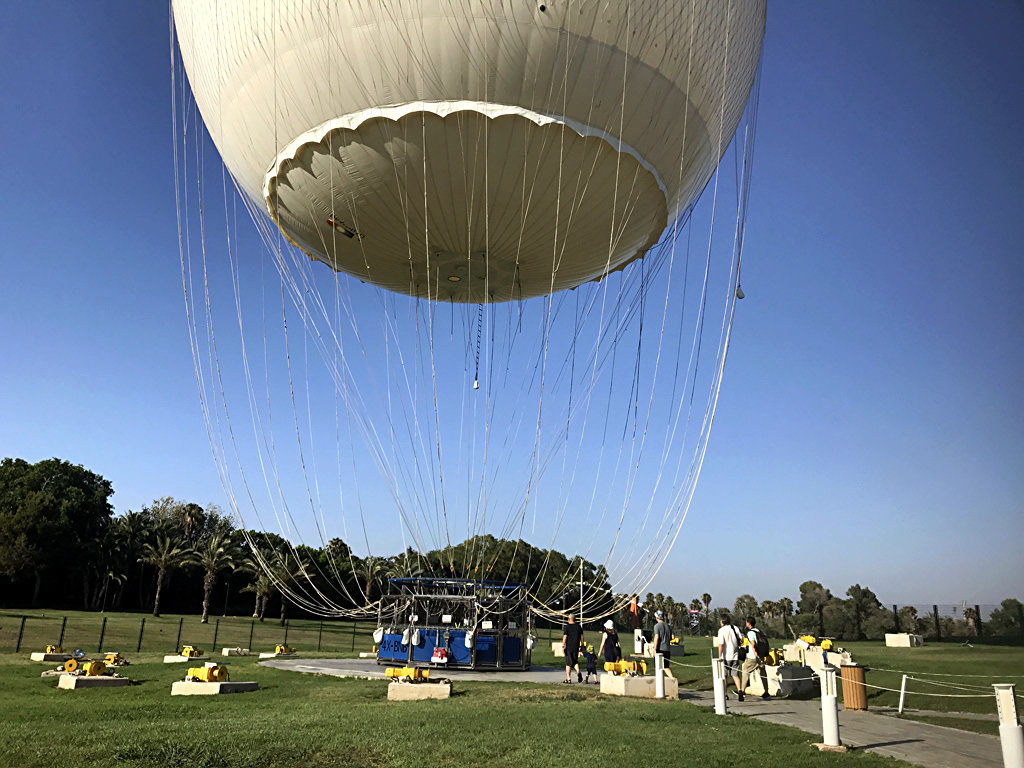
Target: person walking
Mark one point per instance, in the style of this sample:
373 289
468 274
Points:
730 643
610 648
662 639
572 637
757 653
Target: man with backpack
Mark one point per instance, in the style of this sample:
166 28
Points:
757 654
731 650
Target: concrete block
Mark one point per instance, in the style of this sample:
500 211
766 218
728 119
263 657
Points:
783 680
272 655
190 688
418 691
234 651
176 659
367 654
74 682
639 686
903 640
60 658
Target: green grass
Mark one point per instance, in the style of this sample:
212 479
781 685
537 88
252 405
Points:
324 722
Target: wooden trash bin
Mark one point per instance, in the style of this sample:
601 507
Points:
854 693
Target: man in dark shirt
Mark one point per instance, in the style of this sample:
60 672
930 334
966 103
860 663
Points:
572 636
663 640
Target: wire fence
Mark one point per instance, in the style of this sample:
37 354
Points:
167 634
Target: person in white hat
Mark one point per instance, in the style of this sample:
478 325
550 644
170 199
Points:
610 643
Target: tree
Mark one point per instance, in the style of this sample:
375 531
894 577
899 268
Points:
813 598
286 569
1008 619
706 599
862 605
166 556
219 553
745 606
786 610
53 515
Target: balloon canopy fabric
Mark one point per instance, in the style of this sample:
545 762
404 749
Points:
480 151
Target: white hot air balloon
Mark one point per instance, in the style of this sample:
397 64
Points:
467 157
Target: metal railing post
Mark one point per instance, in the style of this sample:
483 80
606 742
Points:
21 633
103 631
63 626
177 643
142 628
1011 735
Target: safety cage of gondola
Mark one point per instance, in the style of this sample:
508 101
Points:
454 624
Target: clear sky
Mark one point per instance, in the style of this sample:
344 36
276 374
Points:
868 430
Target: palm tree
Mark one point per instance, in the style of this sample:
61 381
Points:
165 556
262 586
287 569
373 570
706 599
220 553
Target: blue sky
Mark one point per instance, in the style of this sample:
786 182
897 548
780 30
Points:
868 429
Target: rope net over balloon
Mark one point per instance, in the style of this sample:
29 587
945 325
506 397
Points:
460 280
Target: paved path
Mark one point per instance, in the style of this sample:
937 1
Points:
367 669
931 746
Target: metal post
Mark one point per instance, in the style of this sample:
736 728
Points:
896 617
21 633
977 619
353 635
938 629
63 625
103 631
320 635
177 643
216 629
285 630
829 708
659 676
903 693
252 628
142 628
1011 735
227 591
719 675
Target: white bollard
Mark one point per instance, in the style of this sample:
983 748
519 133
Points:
1011 735
638 642
829 708
903 693
659 676
719 678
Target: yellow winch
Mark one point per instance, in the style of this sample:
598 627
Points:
71 665
826 644
191 652
54 649
94 668
809 639
114 659
209 673
626 667
281 648
412 674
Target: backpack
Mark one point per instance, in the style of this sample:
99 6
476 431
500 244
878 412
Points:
761 645
741 652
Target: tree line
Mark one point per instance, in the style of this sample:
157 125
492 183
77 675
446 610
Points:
63 546
859 615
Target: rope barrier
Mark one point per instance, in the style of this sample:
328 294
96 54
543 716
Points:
941 674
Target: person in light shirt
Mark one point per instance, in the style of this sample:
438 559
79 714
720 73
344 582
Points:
730 641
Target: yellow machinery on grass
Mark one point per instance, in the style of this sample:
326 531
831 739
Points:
407 674
624 667
191 652
114 659
89 668
208 673
54 649
809 639
281 648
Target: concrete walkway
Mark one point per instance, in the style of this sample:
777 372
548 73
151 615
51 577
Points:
931 746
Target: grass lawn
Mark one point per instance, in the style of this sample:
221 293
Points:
988 727
318 722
